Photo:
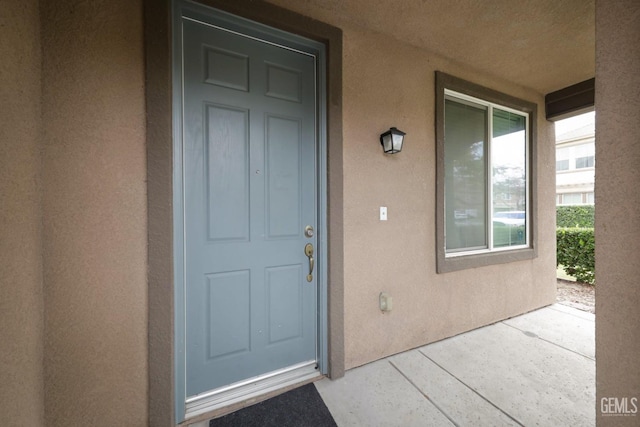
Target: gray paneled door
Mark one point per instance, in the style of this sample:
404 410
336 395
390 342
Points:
249 152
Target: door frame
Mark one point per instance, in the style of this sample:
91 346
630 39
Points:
158 29
244 27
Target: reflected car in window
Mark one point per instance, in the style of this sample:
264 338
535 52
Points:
511 218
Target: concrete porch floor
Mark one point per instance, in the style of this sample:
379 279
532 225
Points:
534 369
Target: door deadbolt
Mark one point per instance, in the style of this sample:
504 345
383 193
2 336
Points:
308 231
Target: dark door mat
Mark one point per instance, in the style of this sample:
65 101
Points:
302 407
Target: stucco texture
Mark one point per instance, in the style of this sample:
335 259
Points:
74 212
21 305
547 43
617 207
393 85
390 83
94 213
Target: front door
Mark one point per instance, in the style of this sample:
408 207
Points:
249 151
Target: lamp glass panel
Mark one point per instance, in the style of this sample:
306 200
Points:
387 143
397 142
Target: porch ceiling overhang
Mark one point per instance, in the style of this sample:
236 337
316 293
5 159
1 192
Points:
544 45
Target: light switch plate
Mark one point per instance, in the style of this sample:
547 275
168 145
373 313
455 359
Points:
383 213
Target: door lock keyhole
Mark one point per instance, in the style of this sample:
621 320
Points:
308 231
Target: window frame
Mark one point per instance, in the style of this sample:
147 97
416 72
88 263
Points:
460 261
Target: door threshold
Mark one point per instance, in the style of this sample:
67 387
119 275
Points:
251 389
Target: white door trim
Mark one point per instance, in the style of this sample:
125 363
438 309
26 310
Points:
251 388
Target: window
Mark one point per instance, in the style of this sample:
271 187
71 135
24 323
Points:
562 159
589 198
575 157
484 179
585 155
572 199
575 199
585 162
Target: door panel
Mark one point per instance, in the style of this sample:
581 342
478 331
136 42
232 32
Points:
283 177
227 172
249 152
228 296
284 303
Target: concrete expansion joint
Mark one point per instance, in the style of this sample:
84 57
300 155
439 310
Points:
532 335
434 403
570 313
439 407
473 390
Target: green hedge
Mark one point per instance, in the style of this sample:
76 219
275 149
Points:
505 235
576 253
575 216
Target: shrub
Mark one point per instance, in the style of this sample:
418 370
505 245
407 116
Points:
575 216
576 253
507 235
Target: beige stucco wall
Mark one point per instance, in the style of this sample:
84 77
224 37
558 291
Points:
21 323
94 214
617 207
388 83
94 210
393 85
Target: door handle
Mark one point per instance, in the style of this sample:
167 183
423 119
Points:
308 251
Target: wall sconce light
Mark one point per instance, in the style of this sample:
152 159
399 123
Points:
392 140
